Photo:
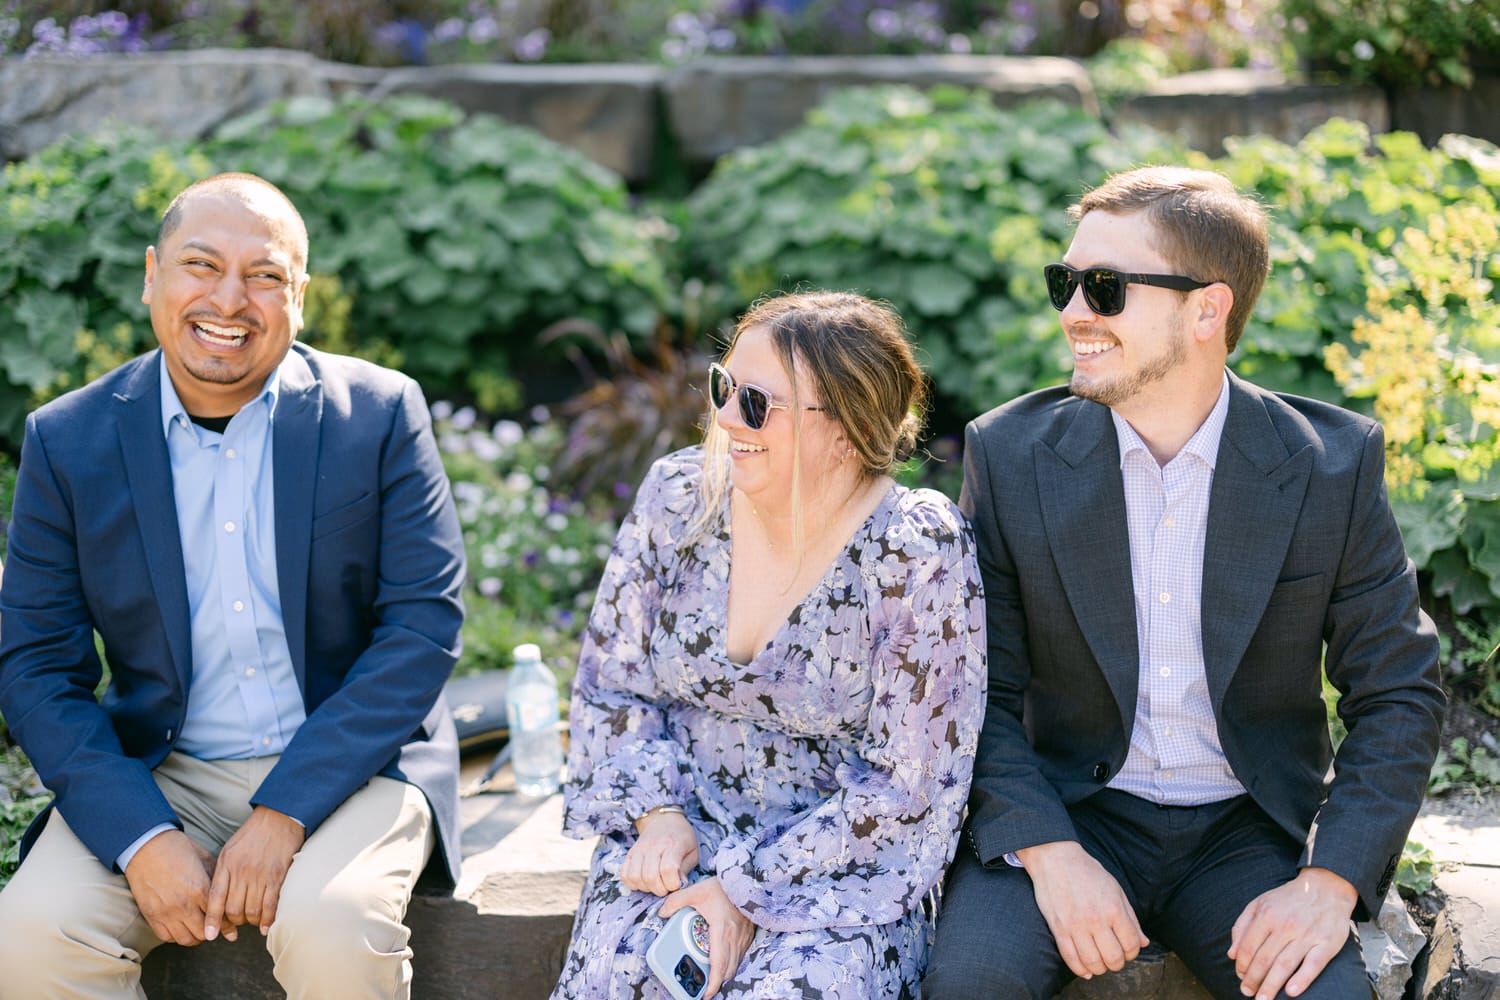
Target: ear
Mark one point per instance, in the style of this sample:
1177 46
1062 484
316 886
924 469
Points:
150 275
1214 305
298 295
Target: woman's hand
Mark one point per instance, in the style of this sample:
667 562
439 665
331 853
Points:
665 851
729 931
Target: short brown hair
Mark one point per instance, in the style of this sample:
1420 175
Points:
1205 229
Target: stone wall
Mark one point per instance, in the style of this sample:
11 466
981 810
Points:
624 115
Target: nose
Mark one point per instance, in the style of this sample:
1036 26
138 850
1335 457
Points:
728 415
1077 310
228 295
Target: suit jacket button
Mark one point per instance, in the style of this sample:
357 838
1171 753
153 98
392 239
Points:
1101 771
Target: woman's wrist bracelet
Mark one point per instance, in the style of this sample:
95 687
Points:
670 807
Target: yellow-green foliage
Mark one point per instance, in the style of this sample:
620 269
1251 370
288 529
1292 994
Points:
1428 355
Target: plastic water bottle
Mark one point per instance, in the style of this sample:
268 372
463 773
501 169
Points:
536 754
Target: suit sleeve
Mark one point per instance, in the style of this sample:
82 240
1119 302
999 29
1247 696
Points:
49 669
1382 656
393 684
1012 804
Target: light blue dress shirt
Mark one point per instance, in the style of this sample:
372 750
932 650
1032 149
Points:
243 698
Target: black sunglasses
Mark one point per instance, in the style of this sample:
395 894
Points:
756 403
1104 287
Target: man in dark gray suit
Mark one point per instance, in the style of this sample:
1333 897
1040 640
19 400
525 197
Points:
1167 550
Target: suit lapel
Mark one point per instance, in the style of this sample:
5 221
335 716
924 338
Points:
148 472
1083 510
295 446
1257 494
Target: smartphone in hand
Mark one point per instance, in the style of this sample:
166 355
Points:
679 955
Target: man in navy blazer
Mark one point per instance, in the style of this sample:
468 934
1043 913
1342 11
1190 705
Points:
263 538
1168 552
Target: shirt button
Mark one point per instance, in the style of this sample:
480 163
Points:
229 526
239 605
265 741
1167 775
249 671
1166 671
1167 731
1168 522
231 453
1165 597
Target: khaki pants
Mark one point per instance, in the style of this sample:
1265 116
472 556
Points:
70 928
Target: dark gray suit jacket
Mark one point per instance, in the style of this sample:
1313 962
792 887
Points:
1301 549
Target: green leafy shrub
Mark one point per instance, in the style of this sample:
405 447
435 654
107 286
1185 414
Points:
1396 43
940 203
1428 355
454 240
1339 201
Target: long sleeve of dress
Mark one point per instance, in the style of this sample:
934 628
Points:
866 854
621 760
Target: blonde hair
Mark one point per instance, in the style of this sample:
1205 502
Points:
1205 229
861 364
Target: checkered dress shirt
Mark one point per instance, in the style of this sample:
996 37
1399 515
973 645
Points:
1175 757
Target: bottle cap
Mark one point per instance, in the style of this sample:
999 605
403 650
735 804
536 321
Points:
527 651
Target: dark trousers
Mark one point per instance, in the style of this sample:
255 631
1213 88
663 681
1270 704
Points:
1188 871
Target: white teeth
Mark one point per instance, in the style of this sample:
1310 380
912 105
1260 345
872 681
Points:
226 336
742 446
1092 346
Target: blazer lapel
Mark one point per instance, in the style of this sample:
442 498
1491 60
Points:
1083 510
1257 495
148 472
295 446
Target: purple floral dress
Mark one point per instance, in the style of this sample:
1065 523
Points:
825 779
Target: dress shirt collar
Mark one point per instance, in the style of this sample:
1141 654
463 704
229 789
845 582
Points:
1205 440
171 406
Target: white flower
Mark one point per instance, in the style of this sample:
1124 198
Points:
442 410
1363 50
555 521
509 433
464 419
490 586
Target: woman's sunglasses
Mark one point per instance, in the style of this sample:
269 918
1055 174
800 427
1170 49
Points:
1104 287
756 403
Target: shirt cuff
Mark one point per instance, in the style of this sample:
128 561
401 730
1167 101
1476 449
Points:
140 842
1012 860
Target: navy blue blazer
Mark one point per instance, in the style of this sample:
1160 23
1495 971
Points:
369 564
1302 553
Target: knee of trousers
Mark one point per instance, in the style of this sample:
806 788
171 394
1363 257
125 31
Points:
336 925
984 975
42 935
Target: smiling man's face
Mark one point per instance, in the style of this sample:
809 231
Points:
225 289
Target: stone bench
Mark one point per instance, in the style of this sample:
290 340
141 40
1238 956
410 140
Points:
503 931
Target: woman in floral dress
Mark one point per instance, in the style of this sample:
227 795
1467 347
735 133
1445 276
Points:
782 682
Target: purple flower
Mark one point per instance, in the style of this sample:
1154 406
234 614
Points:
960 44
83 25
623 489
684 24
113 23
531 46
721 39
483 30
885 23
451 30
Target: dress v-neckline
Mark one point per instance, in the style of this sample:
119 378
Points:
845 553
